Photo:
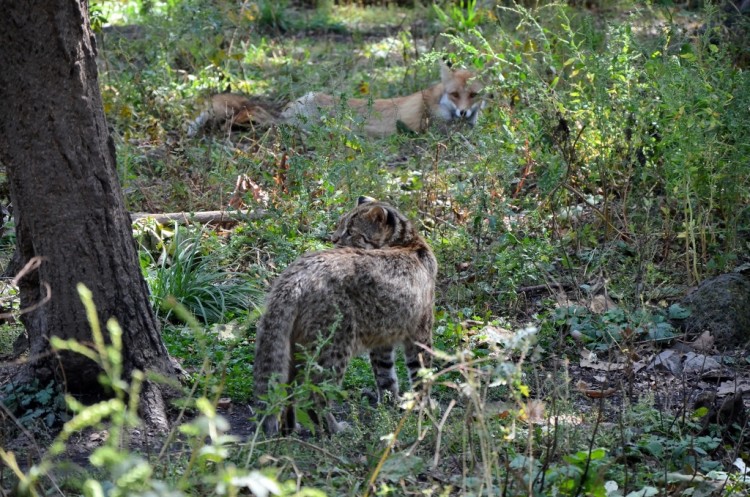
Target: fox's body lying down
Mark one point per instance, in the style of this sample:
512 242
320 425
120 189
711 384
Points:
455 98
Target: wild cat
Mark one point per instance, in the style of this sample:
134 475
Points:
374 290
458 97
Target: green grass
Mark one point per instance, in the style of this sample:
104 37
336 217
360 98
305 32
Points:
189 269
8 335
229 356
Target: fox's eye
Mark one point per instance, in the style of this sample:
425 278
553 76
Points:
454 94
472 94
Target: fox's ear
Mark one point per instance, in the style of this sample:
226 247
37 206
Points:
446 73
363 199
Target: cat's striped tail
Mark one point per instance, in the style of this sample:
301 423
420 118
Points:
273 356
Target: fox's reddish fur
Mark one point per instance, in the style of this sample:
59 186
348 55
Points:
455 98
231 109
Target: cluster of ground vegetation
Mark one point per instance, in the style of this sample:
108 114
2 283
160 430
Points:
607 175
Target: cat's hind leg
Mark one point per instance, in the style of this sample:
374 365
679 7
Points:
417 350
382 361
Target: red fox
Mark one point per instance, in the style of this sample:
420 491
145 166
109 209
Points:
455 98
230 109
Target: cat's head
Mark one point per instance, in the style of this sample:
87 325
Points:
373 224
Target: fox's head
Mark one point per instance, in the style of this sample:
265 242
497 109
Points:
461 95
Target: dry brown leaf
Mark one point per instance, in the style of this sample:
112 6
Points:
562 300
533 412
732 387
566 419
699 363
243 185
668 360
494 335
99 436
500 409
589 360
704 343
597 394
594 393
601 303
597 304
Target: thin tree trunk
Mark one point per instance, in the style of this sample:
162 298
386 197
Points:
67 202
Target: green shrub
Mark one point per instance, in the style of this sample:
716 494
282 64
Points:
195 278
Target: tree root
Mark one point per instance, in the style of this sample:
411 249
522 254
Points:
153 408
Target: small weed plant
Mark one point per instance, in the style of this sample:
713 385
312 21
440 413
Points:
189 269
113 468
34 408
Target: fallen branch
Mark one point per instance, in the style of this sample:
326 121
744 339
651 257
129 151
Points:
206 217
542 288
30 266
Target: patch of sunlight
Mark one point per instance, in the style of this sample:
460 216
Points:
125 12
364 18
383 48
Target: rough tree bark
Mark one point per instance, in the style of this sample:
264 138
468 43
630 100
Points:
67 202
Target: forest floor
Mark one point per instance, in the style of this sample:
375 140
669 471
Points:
604 181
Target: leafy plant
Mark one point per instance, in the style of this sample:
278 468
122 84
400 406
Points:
8 335
121 472
271 14
582 473
601 331
197 281
33 407
462 16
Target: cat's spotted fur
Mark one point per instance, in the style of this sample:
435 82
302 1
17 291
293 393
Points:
374 290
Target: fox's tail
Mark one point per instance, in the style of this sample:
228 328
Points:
273 355
231 109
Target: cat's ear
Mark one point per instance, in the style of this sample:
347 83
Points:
364 199
377 215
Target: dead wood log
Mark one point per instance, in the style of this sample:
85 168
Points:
205 217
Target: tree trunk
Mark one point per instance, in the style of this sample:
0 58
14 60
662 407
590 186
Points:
67 202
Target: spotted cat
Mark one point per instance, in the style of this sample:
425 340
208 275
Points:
374 290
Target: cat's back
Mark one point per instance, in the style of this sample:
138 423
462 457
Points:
379 278
356 270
